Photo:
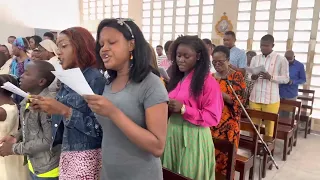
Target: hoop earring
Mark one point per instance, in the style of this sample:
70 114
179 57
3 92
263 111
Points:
131 56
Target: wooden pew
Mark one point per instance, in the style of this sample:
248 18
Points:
169 175
228 148
306 110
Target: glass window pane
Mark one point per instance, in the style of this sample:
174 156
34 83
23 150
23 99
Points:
168 4
92 17
301 36
242 35
242 45
193 19
85 11
261 25
86 17
99 3
317 49
100 10
243 16
181 3
155 36
207 18
157 5
107 10
92 4
116 9
208 2
280 36
179 19
205 35
107 15
193 10
167 36
316 59
207 9
115 14
115 2
92 10
283 14
280 46
281 25
167 20
283 4
244 6
124 1
146 13
262 15
193 28
206 28
146 21
85 5
156 21
157 13
167 28
306 3
256 46
155 43
168 12
302 57
300 47
304 13
179 28
315 81
303 25
194 2
263 5
124 14
107 2
156 29
145 28
243 26
317 90
124 8
258 35
180 11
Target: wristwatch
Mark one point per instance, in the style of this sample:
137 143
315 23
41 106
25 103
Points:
183 109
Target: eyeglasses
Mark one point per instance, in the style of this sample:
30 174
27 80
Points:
219 61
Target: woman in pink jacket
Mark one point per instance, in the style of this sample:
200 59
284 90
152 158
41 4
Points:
195 105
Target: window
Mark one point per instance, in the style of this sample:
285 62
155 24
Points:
100 9
171 18
243 23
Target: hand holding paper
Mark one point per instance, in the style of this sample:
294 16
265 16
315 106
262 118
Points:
14 89
74 79
256 70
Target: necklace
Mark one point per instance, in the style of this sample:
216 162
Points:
218 75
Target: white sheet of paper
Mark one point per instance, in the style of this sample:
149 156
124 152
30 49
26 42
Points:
74 79
256 70
14 89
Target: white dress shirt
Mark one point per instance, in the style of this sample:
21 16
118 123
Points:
265 91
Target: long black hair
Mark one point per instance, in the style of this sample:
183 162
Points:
37 40
141 54
201 68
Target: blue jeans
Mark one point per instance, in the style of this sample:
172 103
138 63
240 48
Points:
34 177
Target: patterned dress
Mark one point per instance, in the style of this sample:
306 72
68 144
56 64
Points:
228 128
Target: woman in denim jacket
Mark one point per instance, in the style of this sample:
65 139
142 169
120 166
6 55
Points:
74 124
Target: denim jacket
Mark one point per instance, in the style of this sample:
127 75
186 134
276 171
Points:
34 138
82 130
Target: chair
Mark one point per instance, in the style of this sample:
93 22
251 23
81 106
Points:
306 109
287 127
169 175
270 141
245 160
228 148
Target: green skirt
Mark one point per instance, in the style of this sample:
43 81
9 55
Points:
189 150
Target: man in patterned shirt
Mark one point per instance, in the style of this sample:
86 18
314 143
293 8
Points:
238 58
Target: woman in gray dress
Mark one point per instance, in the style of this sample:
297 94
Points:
133 109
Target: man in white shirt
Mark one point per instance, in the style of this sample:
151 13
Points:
265 93
161 57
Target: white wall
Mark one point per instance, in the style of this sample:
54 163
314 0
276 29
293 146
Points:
19 17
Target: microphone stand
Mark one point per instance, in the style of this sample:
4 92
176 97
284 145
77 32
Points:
253 125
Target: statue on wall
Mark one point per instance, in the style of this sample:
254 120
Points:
223 25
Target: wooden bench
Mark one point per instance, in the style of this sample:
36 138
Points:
228 148
169 175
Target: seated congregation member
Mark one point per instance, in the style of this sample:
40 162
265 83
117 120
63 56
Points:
265 93
35 136
195 105
133 109
74 124
34 42
9 123
228 128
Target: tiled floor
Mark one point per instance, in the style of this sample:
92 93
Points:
302 164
